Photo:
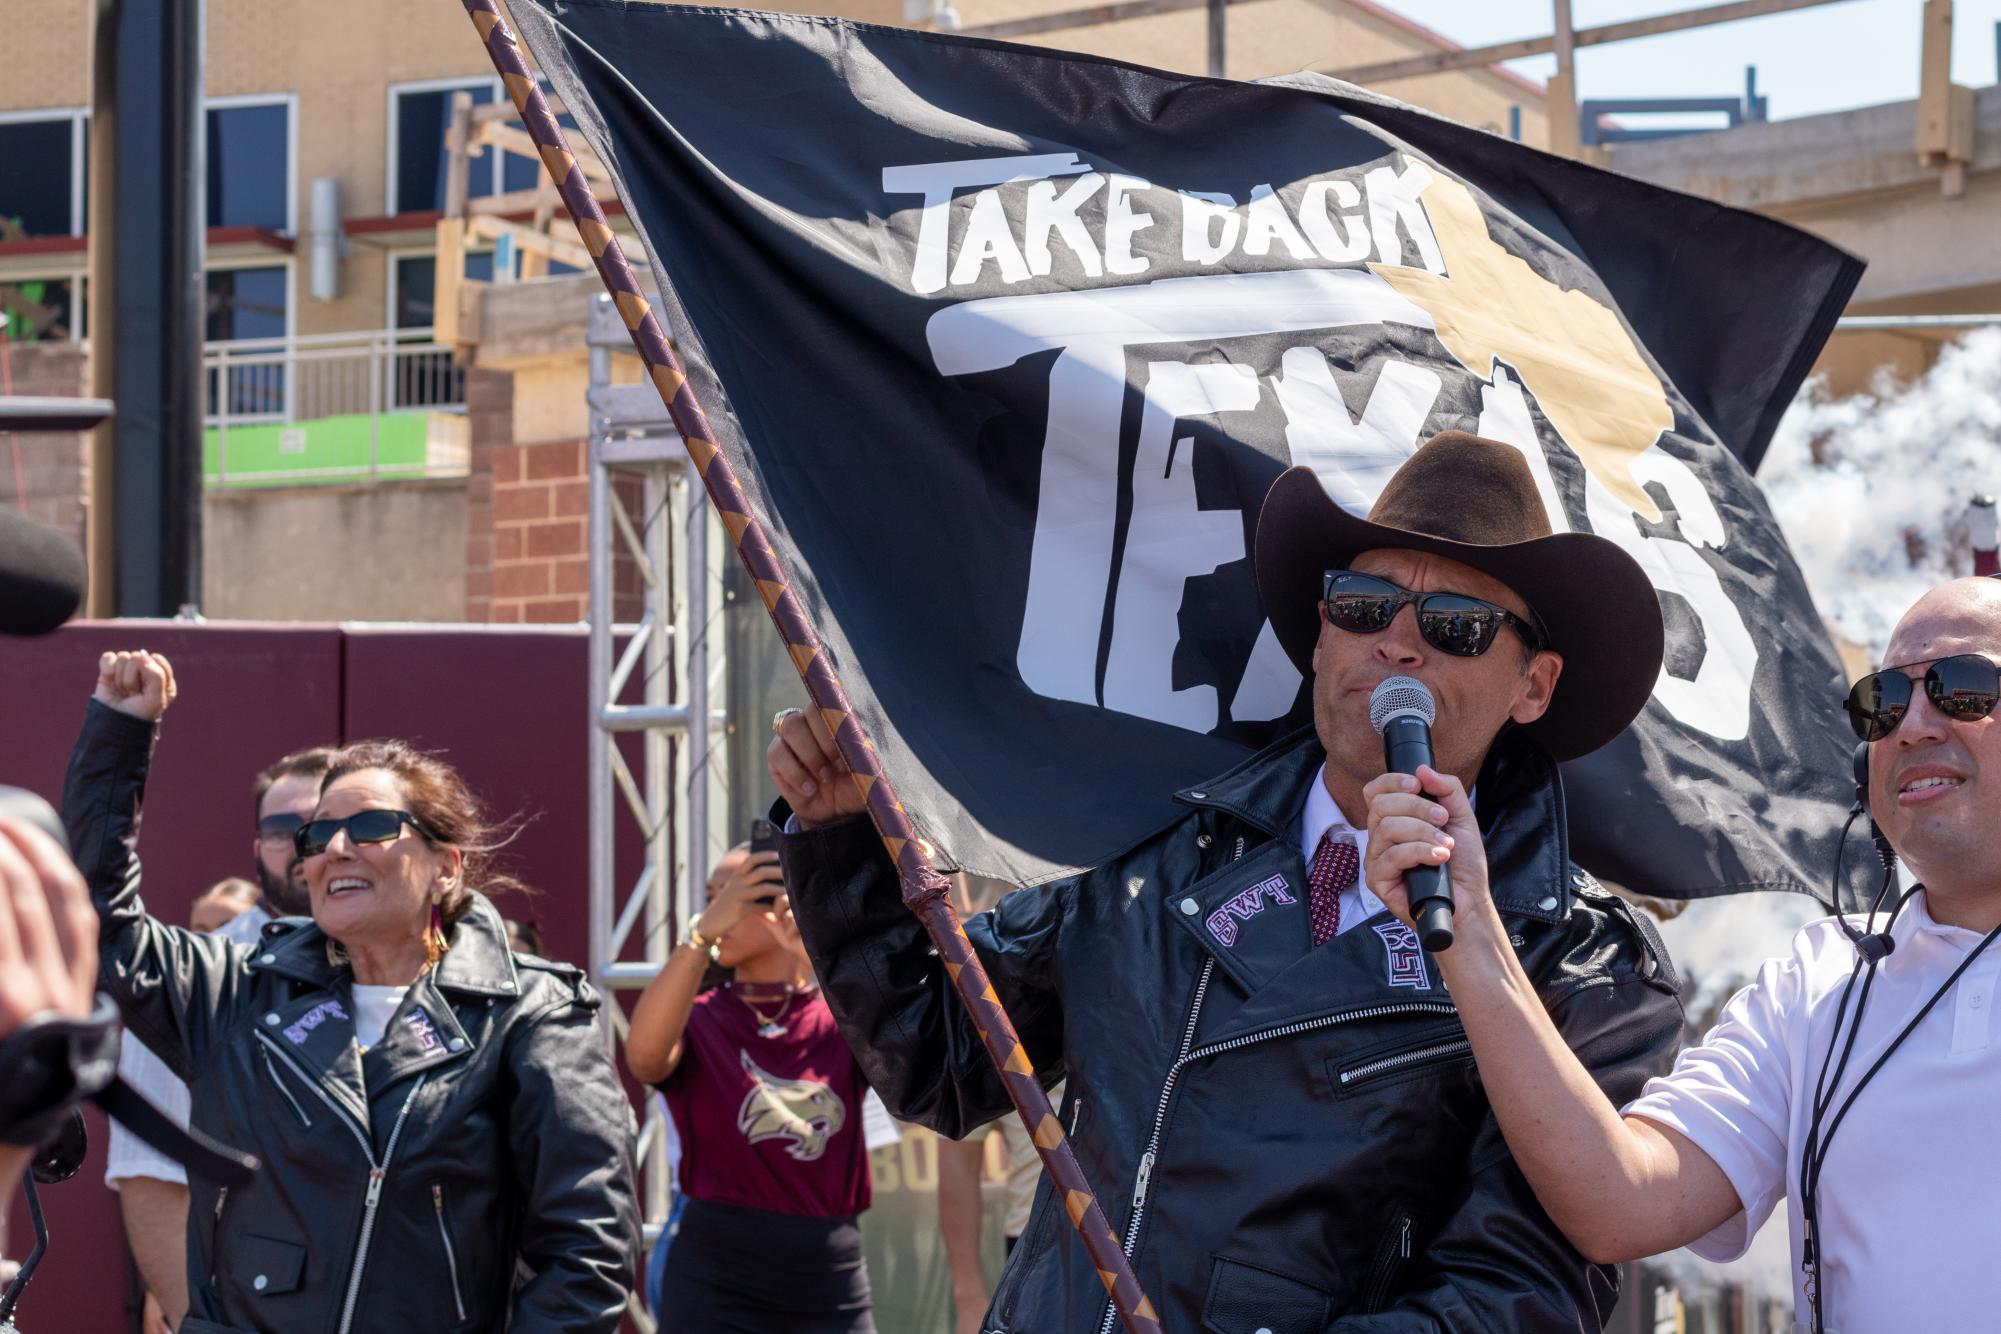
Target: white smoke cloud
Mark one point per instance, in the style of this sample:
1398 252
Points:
1871 491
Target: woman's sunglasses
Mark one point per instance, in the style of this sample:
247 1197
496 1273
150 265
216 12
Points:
1450 622
1963 687
314 836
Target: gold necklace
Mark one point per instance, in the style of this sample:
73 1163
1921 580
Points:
767 1024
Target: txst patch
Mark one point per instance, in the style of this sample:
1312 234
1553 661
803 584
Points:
295 1033
1406 956
427 1034
1243 906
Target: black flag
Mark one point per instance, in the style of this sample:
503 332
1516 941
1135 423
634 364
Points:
1006 345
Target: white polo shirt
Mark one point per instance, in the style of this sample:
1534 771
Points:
1910 1195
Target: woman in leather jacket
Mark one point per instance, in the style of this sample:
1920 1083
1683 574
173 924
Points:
445 1145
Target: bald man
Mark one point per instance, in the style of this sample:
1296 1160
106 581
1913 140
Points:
1869 1107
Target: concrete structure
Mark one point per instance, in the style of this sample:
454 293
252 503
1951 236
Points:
1855 178
1266 37
337 553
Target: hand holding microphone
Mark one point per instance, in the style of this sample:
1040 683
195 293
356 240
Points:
1423 836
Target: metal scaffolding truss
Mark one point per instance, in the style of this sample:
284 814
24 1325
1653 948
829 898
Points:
654 768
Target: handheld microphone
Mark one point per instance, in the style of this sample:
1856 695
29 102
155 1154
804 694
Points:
41 576
1402 709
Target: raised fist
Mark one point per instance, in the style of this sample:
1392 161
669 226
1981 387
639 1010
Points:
138 683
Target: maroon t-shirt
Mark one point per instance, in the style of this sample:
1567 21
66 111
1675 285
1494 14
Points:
769 1122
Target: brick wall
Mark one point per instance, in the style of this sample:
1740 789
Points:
46 475
528 519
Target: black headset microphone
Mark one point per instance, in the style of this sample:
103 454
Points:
1402 709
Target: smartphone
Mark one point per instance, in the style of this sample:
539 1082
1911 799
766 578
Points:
764 838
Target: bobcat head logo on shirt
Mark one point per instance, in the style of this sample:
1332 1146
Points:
804 1111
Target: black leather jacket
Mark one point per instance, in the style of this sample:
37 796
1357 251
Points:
1286 1140
399 1188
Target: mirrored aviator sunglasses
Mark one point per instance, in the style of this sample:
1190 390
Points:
362 827
1964 688
1454 623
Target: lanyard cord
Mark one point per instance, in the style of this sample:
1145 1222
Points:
1816 1147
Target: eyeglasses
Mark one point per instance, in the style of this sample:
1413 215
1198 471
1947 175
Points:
314 836
279 828
1963 687
1450 622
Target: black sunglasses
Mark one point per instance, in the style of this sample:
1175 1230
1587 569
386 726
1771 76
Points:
314 836
1963 687
280 828
1450 622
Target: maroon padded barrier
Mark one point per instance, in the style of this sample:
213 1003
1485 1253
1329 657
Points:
508 707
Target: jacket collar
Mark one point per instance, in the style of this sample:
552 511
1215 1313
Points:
478 963
1521 812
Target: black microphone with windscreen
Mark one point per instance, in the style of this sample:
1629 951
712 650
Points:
41 576
1402 709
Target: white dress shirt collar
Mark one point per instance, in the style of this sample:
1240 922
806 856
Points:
1322 816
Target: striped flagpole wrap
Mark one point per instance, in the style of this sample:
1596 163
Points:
924 889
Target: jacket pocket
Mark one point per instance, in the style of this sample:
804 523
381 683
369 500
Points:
265 1266
1244 1299
451 1251
1392 1252
1385 1067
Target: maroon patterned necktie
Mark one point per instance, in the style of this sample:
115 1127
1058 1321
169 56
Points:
1335 864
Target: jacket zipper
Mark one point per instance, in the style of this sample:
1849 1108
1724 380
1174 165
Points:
1395 1249
275 1079
376 1173
1143 1179
1371 1069
451 1256
215 1232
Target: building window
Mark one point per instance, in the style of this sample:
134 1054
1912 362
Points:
41 174
417 119
243 304
250 164
418 114
412 302
42 310
426 378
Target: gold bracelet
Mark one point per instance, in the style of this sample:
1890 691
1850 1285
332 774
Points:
692 937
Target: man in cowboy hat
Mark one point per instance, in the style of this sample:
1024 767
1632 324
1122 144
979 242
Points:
1268 1083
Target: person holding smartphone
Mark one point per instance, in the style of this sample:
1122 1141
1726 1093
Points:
767 1101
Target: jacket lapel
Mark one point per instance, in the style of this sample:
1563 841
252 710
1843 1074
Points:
314 1034
1250 917
422 1034
425 1032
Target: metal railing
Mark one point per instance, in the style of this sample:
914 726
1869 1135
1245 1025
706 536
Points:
333 401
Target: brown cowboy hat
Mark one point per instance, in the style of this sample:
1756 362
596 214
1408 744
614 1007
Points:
1473 501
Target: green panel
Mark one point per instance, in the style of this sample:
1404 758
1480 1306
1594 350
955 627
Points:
271 454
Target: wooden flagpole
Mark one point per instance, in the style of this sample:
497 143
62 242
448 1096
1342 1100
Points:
924 889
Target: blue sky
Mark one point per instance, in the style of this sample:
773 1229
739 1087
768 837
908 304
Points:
1849 54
